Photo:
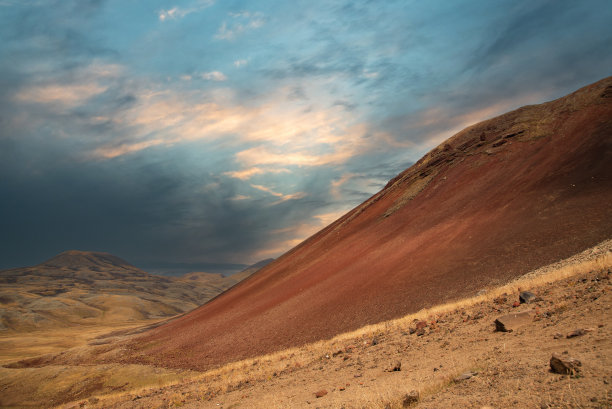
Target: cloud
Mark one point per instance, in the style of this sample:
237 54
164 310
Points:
241 23
239 197
176 13
281 197
214 76
247 174
68 95
124 149
336 184
240 63
72 90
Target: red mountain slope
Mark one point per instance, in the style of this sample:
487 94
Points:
496 200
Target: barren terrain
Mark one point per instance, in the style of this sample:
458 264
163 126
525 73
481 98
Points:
449 356
80 288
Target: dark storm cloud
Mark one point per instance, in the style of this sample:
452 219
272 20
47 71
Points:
147 213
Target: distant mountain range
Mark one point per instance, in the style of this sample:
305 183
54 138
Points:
85 288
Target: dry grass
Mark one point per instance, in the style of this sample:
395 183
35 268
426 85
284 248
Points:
234 376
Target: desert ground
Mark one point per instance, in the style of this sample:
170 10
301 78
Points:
442 357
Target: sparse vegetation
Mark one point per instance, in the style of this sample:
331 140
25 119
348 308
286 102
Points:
334 364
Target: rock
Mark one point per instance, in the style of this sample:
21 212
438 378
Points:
558 335
420 332
579 332
395 367
500 300
526 297
421 324
320 393
564 365
465 376
410 399
375 341
515 304
511 322
412 330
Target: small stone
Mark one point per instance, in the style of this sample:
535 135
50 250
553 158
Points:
320 393
396 367
527 297
511 322
500 300
421 324
558 335
515 304
412 330
576 333
465 376
375 341
564 365
410 399
420 332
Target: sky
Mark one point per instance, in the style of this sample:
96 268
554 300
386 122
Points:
203 135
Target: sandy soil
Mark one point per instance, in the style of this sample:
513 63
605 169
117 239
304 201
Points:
509 370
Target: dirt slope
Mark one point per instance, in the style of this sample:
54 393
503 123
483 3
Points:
494 201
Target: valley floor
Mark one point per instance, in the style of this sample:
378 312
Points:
450 356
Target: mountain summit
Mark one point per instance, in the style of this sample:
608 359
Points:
494 201
93 261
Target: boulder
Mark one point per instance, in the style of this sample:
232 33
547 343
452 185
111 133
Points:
410 399
578 332
512 322
526 297
564 365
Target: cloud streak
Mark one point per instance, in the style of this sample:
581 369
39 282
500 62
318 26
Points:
240 23
176 12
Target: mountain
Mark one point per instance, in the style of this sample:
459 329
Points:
87 288
252 269
494 201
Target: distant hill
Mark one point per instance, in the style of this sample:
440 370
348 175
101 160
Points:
251 269
86 288
496 200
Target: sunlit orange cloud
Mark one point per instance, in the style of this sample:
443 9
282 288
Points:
113 152
240 197
282 197
88 82
69 95
286 134
247 174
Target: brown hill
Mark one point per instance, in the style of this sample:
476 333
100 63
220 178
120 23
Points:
252 269
91 288
494 201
